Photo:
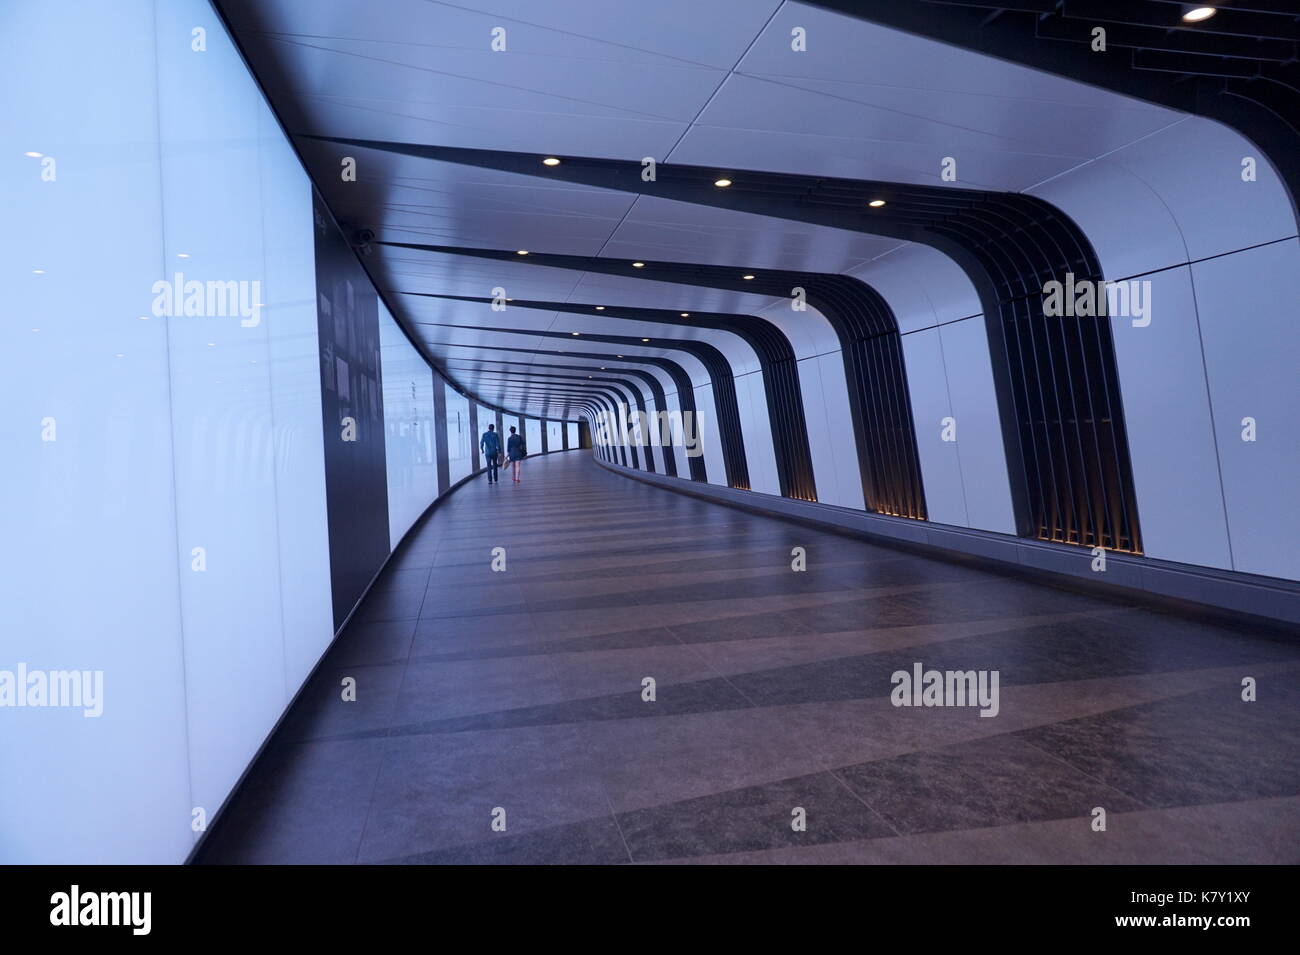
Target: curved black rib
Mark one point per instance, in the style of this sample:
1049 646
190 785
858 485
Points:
651 382
1057 385
879 403
571 391
724 390
681 380
780 373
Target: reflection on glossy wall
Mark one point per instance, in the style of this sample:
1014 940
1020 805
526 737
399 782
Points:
165 452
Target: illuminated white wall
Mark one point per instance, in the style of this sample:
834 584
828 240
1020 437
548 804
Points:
555 435
533 435
170 530
571 434
460 441
1219 344
408 428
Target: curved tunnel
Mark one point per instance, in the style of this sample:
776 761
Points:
820 345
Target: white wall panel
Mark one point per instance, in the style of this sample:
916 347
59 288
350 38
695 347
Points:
945 497
922 286
678 448
832 444
460 442
844 440
821 447
221 404
173 432
1195 165
1171 434
533 436
290 312
571 435
1247 305
980 446
1130 227
756 428
88 576
809 332
706 423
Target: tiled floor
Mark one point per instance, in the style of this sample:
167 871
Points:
522 691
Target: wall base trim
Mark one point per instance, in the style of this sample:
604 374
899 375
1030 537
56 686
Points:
1267 601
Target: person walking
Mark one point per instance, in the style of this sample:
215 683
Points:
515 451
491 445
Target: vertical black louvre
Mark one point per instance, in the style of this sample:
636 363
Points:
1061 374
878 396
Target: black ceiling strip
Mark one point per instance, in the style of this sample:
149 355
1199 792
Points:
780 374
1120 35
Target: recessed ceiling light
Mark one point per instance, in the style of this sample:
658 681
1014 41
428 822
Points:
1197 14
32 155
182 255
600 308
602 367
618 356
144 318
522 252
638 265
645 339
686 314
577 333
550 161
38 271
722 183
119 355
876 203
36 329
212 344
747 277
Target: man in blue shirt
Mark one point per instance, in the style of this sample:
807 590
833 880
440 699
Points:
491 445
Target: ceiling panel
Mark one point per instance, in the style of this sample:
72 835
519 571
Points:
684 232
704 82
